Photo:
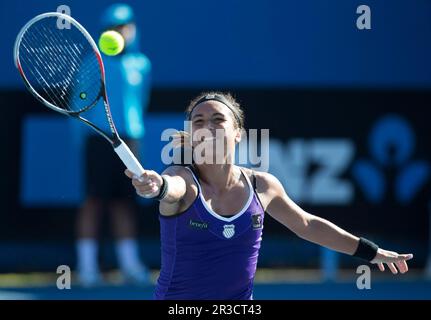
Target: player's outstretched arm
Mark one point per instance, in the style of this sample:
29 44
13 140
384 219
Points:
322 231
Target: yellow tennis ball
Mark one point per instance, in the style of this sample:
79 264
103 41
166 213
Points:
111 43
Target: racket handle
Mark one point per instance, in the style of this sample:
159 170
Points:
129 159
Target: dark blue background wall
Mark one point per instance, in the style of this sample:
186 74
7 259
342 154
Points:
300 68
260 43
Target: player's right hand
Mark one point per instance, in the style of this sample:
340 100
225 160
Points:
148 184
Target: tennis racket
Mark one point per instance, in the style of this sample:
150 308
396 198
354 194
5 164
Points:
62 67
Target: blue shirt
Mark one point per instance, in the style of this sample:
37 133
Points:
128 89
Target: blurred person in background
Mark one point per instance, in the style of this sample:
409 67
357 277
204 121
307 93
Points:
128 83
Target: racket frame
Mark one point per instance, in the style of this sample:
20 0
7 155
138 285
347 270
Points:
119 145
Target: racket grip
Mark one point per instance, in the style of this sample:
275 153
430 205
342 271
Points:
129 159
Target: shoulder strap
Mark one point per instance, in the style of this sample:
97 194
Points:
195 176
254 183
193 169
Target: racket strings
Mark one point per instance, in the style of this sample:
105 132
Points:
63 65
75 60
50 94
69 71
43 72
75 71
39 63
76 51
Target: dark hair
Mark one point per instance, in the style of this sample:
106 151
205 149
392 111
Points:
231 103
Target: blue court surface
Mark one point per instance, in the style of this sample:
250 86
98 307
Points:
346 290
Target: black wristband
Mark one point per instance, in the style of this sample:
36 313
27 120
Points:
163 190
366 250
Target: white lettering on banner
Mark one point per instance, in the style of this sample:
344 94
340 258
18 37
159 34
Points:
291 163
333 158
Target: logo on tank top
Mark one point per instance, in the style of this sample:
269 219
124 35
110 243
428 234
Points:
257 221
198 225
228 230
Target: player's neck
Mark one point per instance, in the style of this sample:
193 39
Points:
219 176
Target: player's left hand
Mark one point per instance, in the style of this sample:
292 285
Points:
395 261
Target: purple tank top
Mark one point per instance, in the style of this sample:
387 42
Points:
208 256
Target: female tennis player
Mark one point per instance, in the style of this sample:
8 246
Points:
211 215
